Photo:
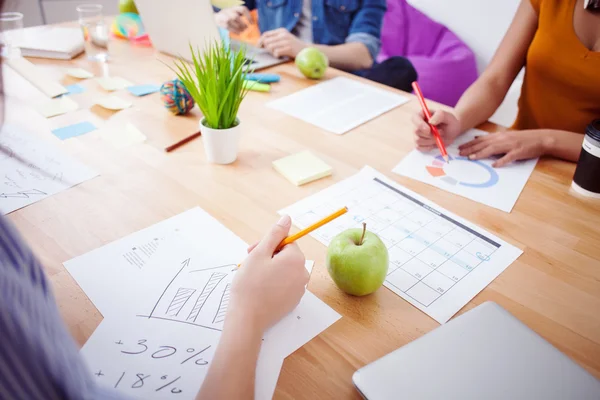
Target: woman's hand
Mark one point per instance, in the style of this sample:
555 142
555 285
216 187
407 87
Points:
514 145
268 286
448 126
281 43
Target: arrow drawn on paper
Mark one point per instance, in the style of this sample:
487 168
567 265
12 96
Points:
25 194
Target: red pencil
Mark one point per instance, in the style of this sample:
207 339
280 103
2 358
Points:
436 133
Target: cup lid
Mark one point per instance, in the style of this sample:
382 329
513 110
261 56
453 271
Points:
593 130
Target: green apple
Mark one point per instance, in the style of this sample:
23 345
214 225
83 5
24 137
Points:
357 261
127 6
312 63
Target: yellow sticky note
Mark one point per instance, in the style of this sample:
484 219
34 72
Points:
111 83
301 168
113 103
226 3
126 136
59 106
79 73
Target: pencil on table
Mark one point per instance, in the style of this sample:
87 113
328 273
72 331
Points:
436 134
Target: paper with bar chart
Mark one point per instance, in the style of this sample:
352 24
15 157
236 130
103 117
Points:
474 179
438 260
164 293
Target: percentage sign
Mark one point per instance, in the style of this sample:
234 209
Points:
199 361
174 390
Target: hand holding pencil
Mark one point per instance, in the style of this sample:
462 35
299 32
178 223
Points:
446 124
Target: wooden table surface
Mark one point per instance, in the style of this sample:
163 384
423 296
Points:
554 287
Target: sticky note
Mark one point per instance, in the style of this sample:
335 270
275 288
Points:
79 73
124 136
113 103
256 86
75 89
113 83
74 130
59 106
226 3
143 90
301 168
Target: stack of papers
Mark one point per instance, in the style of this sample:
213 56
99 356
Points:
51 42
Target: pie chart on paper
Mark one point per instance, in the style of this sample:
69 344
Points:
461 171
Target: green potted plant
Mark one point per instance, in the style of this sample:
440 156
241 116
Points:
216 82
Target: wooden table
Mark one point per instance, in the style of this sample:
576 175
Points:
554 287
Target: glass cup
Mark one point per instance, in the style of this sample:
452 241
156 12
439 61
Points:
11 31
95 31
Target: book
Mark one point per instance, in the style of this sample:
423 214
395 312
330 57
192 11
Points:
51 42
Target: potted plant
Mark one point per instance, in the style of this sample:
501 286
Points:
216 82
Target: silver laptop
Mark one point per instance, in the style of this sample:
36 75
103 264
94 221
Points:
485 353
175 24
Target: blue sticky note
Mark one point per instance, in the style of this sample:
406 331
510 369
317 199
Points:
75 89
142 90
74 130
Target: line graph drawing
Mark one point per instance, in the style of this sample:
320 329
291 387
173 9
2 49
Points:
196 295
213 282
220 315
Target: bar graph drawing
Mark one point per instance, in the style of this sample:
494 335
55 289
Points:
197 295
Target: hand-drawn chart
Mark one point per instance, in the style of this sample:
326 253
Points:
474 179
33 170
164 293
438 261
196 296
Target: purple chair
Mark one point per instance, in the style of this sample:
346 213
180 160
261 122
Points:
445 65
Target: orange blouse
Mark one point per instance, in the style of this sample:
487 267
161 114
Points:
561 88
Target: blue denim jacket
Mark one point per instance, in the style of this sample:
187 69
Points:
333 21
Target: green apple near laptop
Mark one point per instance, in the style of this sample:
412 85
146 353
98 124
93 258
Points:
485 353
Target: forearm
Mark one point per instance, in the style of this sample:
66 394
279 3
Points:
232 370
351 56
479 102
563 144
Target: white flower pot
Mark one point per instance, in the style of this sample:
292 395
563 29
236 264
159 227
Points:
220 145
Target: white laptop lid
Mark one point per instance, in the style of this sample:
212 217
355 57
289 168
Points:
485 353
172 25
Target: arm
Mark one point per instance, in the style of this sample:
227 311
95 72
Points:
361 47
264 290
482 99
350 56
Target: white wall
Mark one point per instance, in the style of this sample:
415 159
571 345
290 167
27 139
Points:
481 24
32 13
57 11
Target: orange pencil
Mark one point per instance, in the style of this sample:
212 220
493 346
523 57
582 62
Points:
436 133
306 231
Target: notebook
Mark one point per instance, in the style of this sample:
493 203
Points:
51 42
301 168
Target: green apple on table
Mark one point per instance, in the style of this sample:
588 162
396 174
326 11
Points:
357 261
312 62
127 6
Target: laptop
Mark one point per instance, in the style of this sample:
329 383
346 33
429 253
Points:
485 353
175 24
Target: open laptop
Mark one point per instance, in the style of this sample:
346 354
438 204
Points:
485 353
175 24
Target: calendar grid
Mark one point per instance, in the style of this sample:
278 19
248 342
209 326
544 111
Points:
363 203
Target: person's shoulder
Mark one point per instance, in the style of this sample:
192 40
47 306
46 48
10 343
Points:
551 8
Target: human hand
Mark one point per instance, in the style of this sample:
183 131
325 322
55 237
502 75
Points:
515 145
232 19
447 124
281 43
268 286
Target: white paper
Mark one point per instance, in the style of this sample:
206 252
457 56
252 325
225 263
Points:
178 273
338 105
43 171
438 261
36 77
58 106
476 180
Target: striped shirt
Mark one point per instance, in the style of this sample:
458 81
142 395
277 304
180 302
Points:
38 357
